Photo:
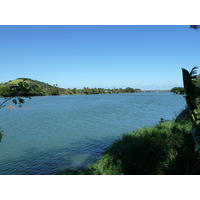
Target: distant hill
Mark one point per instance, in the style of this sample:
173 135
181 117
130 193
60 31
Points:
43 89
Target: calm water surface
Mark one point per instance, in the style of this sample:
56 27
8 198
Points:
55 132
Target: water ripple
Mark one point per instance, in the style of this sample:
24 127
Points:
52 133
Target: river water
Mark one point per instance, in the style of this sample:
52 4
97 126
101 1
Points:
55 132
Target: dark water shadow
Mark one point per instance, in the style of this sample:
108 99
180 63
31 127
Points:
46 162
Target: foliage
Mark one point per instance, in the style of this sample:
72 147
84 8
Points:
166 148
184 114
192 93
162 149
178 90
196 81
181 90
16 92
87 90
193 101
44 89
41 90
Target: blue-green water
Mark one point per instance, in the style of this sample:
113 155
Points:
54 132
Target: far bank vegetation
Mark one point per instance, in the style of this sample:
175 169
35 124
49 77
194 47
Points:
45 89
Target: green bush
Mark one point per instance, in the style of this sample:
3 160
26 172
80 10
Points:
166 148
178 90
163 149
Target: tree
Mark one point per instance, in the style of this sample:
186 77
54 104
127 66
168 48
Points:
193 102
129 90
15 93
74 90
178 90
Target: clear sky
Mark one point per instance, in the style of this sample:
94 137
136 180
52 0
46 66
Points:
145 57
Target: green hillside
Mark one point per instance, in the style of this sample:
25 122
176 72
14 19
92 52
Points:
45 89
42 89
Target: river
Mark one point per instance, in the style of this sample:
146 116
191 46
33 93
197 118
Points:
55 132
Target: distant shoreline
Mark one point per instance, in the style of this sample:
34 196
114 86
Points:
141 91
155 90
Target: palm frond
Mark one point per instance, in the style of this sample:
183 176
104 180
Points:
193 71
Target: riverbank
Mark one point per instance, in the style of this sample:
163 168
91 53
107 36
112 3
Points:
165 149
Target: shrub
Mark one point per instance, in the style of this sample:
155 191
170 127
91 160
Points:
166 148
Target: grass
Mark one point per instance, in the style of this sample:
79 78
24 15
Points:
165 149
16 81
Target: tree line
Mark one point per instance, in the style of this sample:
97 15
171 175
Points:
45 89
87 90
181 90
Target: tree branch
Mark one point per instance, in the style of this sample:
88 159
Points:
1 105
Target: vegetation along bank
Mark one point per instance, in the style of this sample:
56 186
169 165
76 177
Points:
169 148
165 149
44 89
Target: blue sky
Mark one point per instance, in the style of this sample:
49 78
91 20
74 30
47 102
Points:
145 57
